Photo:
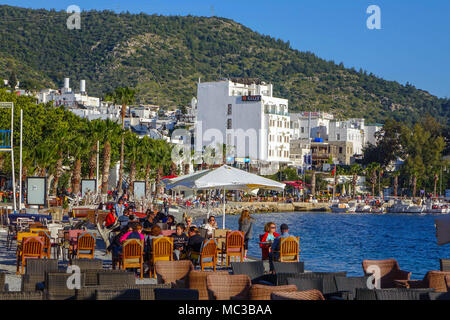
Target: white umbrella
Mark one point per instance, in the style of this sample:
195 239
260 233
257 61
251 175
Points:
224 178
442 229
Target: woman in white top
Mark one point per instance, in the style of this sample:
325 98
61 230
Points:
211 225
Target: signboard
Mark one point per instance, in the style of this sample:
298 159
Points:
36 191
139 190
88 185
251 98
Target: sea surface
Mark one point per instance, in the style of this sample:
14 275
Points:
340 242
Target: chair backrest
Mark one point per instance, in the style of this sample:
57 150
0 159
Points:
46 238
175 294
86 241
220 232
73 234
253 269
162 247
32 247
445 264
263 292
224 287
132 248
291 267
203 232
22 235
235 239
38 229
388 269
299 295
173 271
289 248
209 249
197 281
436 280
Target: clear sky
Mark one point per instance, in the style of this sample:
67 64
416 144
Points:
413 44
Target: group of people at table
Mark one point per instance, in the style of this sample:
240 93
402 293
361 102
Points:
122 224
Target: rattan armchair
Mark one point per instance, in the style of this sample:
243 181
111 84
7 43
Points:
262 292
389 271
31 248
433 279
445 264
255 270
133 255
198 281
226 287
289 249
174 272
85 246
298 295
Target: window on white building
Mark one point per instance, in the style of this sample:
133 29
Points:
229 123
229 109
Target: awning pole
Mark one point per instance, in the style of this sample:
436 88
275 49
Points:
224 199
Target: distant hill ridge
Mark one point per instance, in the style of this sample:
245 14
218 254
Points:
164 56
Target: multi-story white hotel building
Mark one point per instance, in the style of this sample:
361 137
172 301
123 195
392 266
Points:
247 117
308 125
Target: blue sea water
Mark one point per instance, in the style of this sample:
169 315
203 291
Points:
340 242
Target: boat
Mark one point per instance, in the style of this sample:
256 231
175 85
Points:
363 208
436 208
342 208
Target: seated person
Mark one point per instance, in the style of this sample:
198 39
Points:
149 221
210 226
194 243
170 222
275 248
116 245
124 219
180 241
136 233
154 233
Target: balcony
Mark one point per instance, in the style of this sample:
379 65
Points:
285 114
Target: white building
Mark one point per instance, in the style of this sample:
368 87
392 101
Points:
300 150
351 130
369 133
308 125
242 113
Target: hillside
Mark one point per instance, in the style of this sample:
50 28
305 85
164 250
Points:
163 57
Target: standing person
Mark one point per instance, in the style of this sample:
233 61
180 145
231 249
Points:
274 253
268 237
166 207
246 226
120 208
180 241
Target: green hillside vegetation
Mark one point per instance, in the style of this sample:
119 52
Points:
164 56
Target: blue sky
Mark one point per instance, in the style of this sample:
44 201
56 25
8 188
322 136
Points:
413 44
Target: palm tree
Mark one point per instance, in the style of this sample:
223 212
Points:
133 154
147 158
162 159
371 171
78 148
355 170
91 131
396 174
123 96
109 131
313 184
62 137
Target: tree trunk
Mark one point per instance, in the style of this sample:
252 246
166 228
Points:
354 181
395 186
147 180
186 168
414 183
106 165
76 177
313 184
119 187
158 178
93 161
435 185
173 169
373 181
132 178
58 173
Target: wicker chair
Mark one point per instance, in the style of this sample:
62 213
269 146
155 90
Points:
198 281
175 294
85 247
433 279
31 248
162 250
389 269
445 264
399 294
439 296
117 294
175 273
346 287
255 270
208 254
289 249
90 267
262 292
146 291
56 286
299 295
35 273
226 287
292 267
324 281
114 277
14 295
2 281
133 255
